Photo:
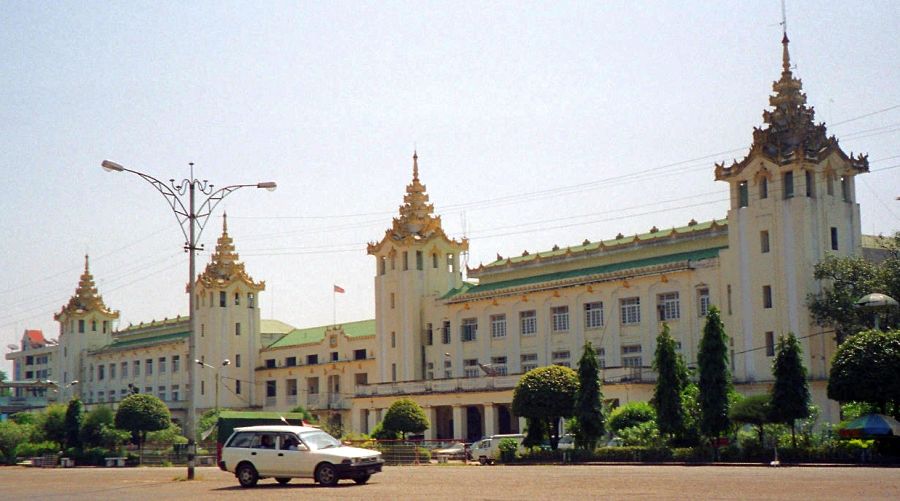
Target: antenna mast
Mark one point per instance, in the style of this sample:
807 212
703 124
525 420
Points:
465 230
783 17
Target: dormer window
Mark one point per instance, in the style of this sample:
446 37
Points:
763 188
743 195
788 184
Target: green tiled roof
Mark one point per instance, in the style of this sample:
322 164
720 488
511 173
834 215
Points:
697 255
156 323
120 344
316 334
608 244
271 326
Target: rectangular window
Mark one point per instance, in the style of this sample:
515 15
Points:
112 371
633 362
81 326
271 389
631 348
393 302
393 339
703 302
223 299
176 364
743 194
162 392
237 360
101 372
176 392
237 386
137 367
382 265
528 322
810 184
290 361
420 258
237 298
429 334
393 372
270 363
529 361
470 367
334 356
359 354
560 318
593 315
631 310
105 326
445 332
148 366
767 296
237 329
770 344
405 260
498 366
469 329
251 300
498 325
123 370
763 188
829 183
434 261
834 238
361 378
764 242
668 306
562 358
451 263
291 388
312 359
788 184
728 294
162 365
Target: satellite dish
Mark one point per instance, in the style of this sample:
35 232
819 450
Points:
12 346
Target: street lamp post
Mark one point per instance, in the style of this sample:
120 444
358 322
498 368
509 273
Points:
204 364
192 222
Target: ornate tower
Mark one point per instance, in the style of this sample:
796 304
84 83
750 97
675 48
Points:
85 324
416 263
227 309
792 202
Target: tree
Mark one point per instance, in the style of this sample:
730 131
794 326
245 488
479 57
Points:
141 413
790 393
669 384
753 410
866 368
74 416
588 401
11 435
845 279
714 378
52 422
405 416
92 426
4 392
546 394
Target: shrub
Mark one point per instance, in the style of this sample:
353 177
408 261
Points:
645 434
29 449
12 435
508 448
631 414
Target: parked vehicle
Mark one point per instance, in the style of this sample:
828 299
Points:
455 451
487 450
285 452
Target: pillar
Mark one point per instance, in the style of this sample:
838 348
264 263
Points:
490 420
523 424
372 417
459 422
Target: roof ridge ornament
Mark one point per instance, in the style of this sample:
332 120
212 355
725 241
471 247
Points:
86 297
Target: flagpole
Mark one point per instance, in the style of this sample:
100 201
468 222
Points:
333 306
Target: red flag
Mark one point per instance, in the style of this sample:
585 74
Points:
338 289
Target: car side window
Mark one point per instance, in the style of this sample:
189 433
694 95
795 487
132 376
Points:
289 442
264 441
242 439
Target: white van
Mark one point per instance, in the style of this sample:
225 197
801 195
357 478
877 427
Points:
487 450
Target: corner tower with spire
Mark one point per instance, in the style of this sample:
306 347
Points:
85 323
792 203
228 322
416 263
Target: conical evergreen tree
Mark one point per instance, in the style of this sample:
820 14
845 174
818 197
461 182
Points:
790 393
588 401
669 383
714 377
74 417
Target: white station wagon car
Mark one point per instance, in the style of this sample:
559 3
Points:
286 452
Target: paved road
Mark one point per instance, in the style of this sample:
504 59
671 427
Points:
472 482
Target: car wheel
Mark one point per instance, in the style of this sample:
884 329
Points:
247 475
326 475
283 480
482 460
363 479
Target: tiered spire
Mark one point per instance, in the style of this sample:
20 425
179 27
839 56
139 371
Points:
416 214
792 134
224 266
86 298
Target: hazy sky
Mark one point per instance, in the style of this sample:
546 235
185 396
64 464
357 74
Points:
536 124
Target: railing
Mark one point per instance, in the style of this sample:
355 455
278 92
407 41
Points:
23 402
292 399
312 400
336 401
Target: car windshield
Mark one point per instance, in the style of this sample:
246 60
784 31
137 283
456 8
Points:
316 440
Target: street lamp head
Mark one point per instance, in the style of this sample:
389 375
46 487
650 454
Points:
269 185
111 166
73 383
198 361
226 362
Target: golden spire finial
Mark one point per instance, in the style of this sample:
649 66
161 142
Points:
415 165
86 268
785 55
225 222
